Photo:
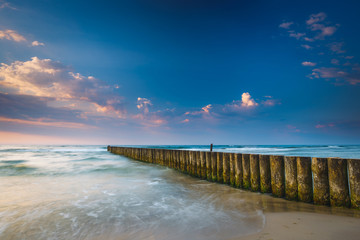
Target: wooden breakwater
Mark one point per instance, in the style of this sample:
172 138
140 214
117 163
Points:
322 181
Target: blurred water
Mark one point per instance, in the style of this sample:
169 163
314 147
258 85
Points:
84 192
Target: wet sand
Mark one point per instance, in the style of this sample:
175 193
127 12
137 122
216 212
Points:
312 226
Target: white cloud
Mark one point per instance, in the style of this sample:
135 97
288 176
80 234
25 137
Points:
12 35
36 43
247 101
286 25
311 64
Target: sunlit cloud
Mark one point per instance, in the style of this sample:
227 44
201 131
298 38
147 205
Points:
12 35
62 87
247 101
37 43
46 122
311 64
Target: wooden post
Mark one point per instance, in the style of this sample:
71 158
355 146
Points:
232 168
214 166
226 168
338 180
220 167
291 184
254 172
354 179
304 179
265 174
277 175
208 166
246 171
238 170
319 167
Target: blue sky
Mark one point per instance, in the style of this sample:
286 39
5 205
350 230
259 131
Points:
179 72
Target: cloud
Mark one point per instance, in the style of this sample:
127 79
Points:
325 125
286 25
247 101
309 39
4 4
297 35
338 75
207 108
12 35
337 47
314 18
311 64
36 43
148 118
143 104
62 88
306 46
293 128
46 122
335 61
185 120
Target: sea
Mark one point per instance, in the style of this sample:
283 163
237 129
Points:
85 192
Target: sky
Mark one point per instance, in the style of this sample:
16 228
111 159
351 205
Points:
179 72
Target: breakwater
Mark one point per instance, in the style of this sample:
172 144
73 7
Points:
322 181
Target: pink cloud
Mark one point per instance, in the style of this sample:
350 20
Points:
325 125
46 122
311 64
296 35
337 47
306 46
314 18
286 25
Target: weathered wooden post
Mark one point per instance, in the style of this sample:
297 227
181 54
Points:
304 179
238 170
338 181
220 167
354 179
265 174
277 175
193 163
214 166
198 164
232 168
203 164
246 171
226 168
291 184
208 166
254 172
319 167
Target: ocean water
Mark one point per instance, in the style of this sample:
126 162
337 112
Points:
85 192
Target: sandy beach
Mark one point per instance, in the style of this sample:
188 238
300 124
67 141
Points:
311 226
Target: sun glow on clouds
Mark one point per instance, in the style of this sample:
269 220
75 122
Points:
63 89
46 122
12 35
